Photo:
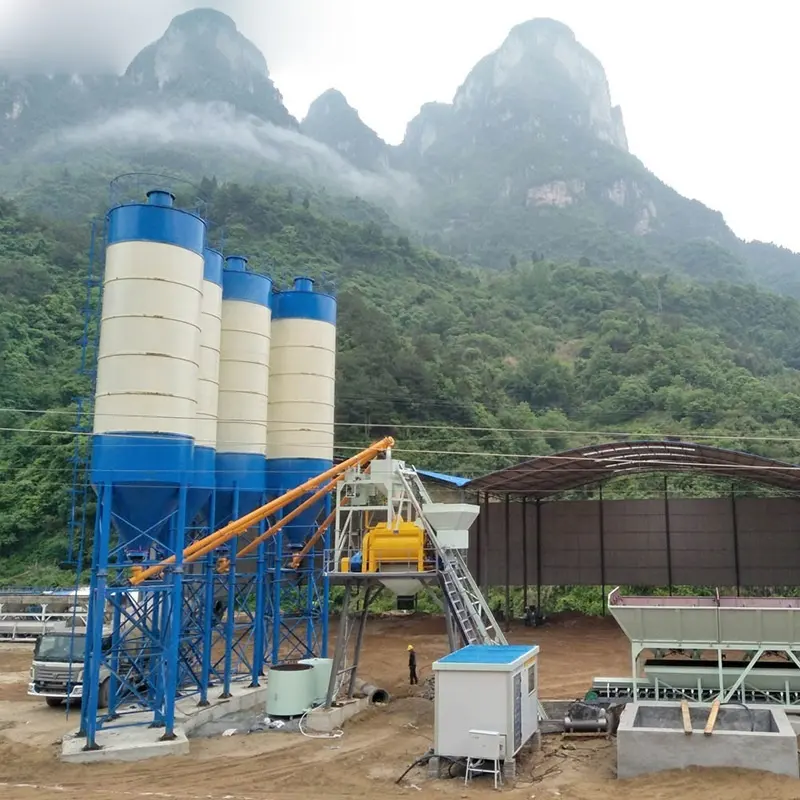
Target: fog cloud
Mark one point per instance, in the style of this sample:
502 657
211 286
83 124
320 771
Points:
219 127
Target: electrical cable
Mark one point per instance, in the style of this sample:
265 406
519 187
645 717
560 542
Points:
336 733
746 708
659 435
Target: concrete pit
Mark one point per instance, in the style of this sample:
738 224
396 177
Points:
651 738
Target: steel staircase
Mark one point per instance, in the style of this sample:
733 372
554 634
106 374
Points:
472 613
470 609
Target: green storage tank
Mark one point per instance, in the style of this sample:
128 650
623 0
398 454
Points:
290 689
322 676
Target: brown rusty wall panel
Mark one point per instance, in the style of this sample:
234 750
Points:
570 543
635 542
769 541
701 535
702 542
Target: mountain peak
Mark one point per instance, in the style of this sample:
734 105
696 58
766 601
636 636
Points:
200 19
202 56
543 26
202 42
542 73
334 122
330 99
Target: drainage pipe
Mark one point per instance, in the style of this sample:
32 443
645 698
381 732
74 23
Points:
373 693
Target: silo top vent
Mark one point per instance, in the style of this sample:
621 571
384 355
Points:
236 263
303 285
160 197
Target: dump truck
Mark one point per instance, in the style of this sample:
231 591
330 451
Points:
57 668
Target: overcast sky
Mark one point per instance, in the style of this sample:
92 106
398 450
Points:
707 87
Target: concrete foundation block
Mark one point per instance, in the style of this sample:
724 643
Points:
137 742
325 720
510 769
651 738
434 767
124 744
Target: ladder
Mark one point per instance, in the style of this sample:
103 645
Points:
467 603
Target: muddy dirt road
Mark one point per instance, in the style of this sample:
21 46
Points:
374 750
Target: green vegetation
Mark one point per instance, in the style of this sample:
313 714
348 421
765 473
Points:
470 370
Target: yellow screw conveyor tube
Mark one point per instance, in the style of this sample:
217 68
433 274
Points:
232 529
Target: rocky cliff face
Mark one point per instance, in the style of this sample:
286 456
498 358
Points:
334 122
203 57
539 74
530 160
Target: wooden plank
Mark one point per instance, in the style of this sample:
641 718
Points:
687 717
712 718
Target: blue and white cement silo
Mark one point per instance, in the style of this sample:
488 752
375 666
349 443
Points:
300 419
208 389
243 385
147 370
143 447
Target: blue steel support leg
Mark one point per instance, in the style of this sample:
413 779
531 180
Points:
88 652
311 592
261 589
230 622
208 614
113 681
175 594
155 684
326 590
277 591
94 634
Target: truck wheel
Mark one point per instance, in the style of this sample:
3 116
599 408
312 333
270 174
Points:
103 694
53 702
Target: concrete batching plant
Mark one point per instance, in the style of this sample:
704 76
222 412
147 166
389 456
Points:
213 463
179 450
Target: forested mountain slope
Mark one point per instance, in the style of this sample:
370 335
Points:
469 369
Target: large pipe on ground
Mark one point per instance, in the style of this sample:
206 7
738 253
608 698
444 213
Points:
374 694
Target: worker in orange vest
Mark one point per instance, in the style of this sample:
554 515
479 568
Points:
412 665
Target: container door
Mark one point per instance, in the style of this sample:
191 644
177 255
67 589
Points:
517 711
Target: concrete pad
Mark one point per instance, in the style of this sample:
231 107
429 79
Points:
324 720
651 738
137 741
124 744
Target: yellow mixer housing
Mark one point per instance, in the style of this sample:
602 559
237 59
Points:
403 543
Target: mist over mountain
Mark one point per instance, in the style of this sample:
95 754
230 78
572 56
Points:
530 160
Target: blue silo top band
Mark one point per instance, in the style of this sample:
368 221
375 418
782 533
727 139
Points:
157 221
241 284
302 302
212 267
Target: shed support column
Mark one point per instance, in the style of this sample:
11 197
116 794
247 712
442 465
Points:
602 532
667 532
524 556
508 562
538 554
736 566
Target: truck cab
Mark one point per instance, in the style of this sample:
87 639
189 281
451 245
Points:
58 663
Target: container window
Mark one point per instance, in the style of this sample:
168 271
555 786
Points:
532 679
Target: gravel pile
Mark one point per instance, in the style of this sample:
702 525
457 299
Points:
428 688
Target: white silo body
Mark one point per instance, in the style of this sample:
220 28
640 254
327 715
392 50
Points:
147 366
300 420
243 387
148 371
210 336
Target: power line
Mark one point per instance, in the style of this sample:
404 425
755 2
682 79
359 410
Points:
609 434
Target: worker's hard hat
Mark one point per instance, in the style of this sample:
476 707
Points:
411 647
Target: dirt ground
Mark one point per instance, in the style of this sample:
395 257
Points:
375 748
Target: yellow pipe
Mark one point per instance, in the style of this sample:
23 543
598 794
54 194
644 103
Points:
320 493
242 524
313 540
